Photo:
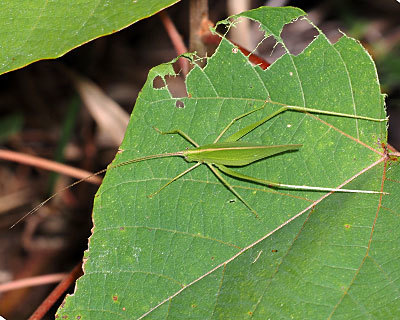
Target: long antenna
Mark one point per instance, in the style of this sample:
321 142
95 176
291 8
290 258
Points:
154 156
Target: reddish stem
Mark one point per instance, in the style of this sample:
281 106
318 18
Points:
57 293
48 165
176 40
32 281
215 39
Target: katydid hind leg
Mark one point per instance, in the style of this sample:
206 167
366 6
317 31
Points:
267 183
236 119
226 184
242 132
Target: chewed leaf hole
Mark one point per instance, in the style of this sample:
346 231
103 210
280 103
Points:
298 35
176 86
179 104
158 83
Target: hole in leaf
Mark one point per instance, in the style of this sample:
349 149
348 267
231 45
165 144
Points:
298 35
179 104
158 83
269 49
176 86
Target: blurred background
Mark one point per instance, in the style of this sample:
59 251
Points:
74 110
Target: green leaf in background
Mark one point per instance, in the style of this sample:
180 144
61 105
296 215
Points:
10 125
195 252
48 29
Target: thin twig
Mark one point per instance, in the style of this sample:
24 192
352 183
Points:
32 282
57 292
176 40
47 165
393 149
198 13
209 38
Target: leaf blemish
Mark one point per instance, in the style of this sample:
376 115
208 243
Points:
235 50
258 256
347 226
179 104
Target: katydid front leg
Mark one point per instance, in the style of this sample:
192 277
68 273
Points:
188 153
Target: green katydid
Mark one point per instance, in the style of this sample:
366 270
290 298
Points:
220 155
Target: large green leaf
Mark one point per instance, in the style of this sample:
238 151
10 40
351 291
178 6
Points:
195 251
32 30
